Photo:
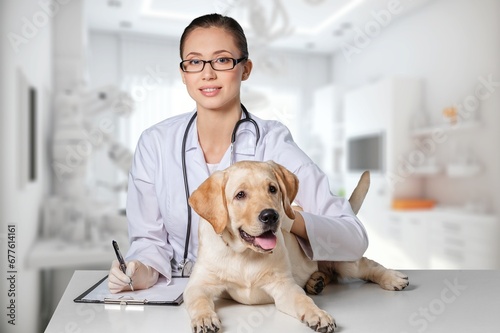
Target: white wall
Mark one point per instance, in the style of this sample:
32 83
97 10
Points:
450 44
21 206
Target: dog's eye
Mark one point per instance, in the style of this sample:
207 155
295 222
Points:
240 195
272 189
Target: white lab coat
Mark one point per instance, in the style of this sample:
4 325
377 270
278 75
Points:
156 202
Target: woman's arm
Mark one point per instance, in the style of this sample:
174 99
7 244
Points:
327 226
147 233
328 223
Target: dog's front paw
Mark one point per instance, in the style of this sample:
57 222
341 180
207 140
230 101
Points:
394 280
207 323
319 320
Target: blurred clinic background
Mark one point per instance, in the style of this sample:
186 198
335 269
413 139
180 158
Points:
409 89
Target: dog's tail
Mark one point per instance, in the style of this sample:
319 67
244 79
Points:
359 193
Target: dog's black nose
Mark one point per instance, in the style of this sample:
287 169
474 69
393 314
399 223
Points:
269 216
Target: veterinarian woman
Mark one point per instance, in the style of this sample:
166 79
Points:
214 54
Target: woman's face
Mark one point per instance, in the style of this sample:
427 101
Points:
211 89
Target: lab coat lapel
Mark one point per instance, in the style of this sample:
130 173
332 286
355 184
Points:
195 161
243 149
226 160
245 144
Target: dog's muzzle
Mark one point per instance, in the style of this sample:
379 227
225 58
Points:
267 240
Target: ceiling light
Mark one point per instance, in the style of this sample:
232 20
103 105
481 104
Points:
346 26
125 24
114 3
147 11
334 17
338 32
310 45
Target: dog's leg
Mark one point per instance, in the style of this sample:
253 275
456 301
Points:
317 282
292 300
325 275
199 302
370 270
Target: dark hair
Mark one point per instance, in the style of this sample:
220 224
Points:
218 21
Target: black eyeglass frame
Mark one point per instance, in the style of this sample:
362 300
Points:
235 62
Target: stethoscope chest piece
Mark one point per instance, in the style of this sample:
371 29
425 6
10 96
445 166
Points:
186 267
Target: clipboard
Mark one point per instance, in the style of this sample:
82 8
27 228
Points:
159 294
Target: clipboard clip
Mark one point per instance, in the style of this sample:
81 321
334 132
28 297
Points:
125 301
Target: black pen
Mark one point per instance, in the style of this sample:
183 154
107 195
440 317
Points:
123 267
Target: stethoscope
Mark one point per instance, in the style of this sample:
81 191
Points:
186 265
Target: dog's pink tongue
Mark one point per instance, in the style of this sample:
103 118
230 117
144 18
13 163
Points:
266 241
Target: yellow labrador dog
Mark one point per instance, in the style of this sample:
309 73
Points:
243 254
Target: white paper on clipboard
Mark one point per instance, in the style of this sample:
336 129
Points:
161 293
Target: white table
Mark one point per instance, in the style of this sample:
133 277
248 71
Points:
50 255
435 301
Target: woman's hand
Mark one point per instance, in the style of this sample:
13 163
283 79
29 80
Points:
299 226
296 226
142 276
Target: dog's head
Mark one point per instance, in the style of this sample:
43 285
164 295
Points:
247 201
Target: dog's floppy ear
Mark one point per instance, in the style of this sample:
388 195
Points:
209 201
289 185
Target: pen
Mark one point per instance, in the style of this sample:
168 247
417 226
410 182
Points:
123 267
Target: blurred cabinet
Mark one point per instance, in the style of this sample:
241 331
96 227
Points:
443 239
462 163
464 241
409 232
382 109
326 136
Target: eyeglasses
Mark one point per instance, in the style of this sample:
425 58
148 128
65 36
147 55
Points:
218 64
